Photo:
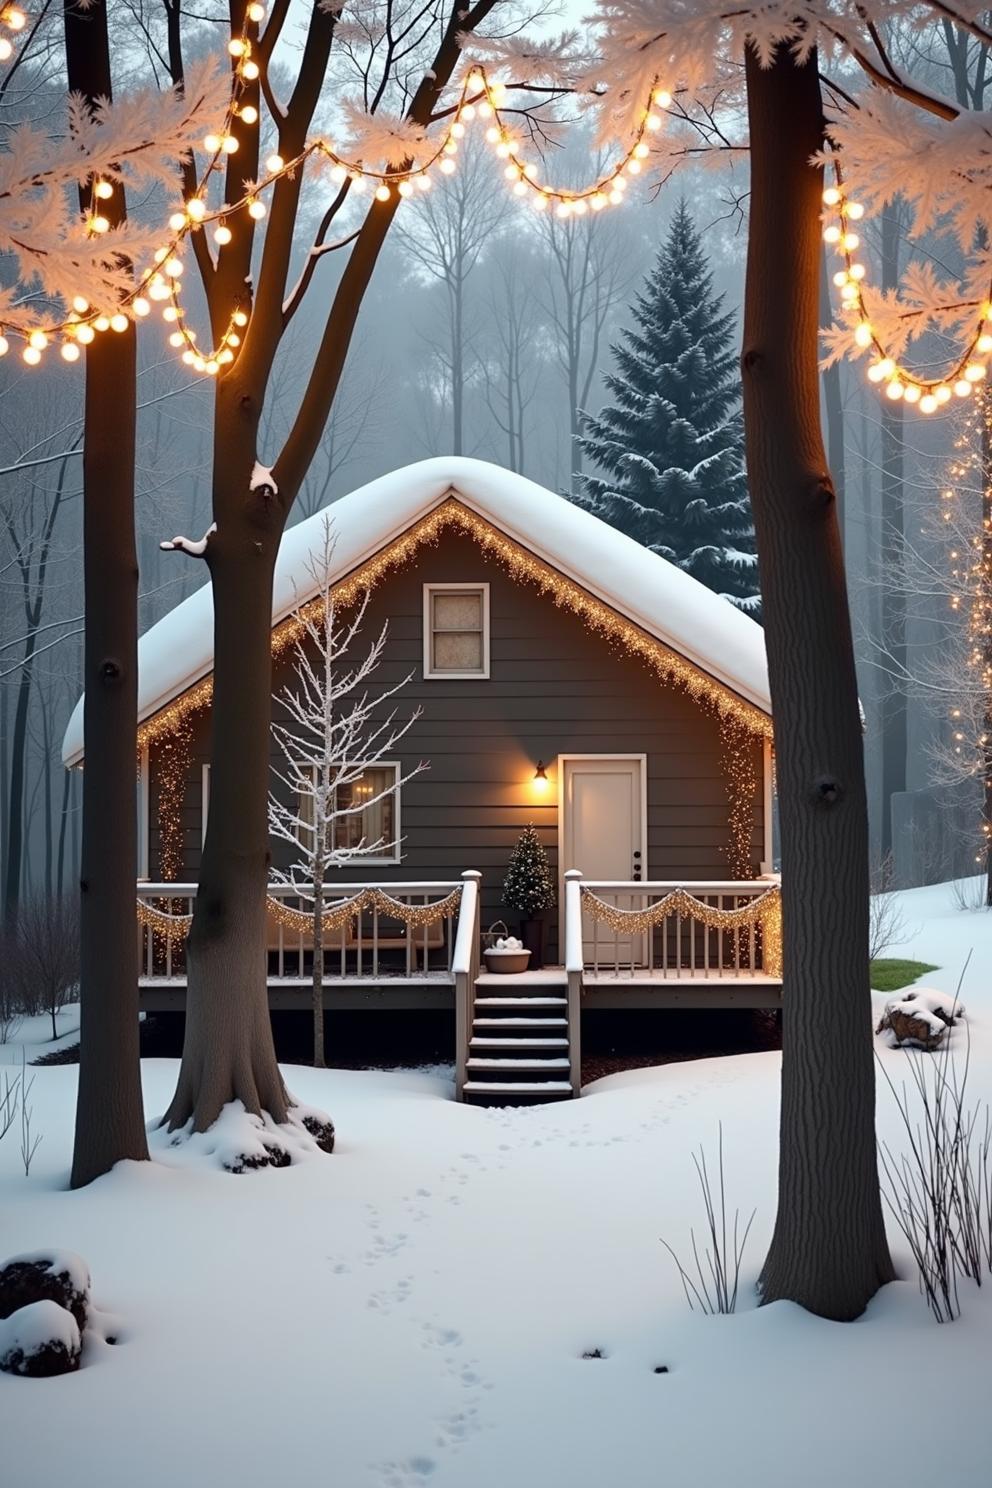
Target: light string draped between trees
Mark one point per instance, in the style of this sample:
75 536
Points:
480 99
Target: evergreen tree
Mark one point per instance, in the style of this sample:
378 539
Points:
672 442
528 887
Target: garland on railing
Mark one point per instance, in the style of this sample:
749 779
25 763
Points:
415 916
764 913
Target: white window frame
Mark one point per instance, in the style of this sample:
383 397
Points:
144 814
432 675
386 860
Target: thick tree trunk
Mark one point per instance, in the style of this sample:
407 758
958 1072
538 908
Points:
109 1113
63 824
15 794
828 1251
228 1052
894 710
833 403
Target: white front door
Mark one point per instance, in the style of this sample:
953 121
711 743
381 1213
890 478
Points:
602 828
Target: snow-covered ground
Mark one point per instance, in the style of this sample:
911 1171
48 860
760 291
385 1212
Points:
32 1037
413 1311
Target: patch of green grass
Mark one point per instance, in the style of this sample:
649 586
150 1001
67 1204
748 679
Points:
889 976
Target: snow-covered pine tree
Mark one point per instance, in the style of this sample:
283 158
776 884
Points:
529 886
672 442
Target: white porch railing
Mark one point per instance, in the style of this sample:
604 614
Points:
370 944
685 944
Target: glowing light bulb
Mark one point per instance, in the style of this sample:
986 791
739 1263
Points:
663 98
256 209
928 403
256 12
857 271
16 19
102 323
382 193
178 221
962 388
70 351
85 334
211 143
974 372
195 209
912 393
140 306
222 234
250 71
540 201
229 144
641 150
274 164
99 224
240 318
943 393
405 188
4 346
895 390
38 340
173 267
236 47
177 339
80 305
119 322
447 166
31 355
862 334
652 121
103 190
831 234
6 49
249 113
855 211
850 241
831 196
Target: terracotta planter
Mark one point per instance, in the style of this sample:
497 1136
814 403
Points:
504 962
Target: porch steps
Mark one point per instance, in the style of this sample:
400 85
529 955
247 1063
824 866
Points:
518 1052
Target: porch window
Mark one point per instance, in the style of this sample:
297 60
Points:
456 630
376 822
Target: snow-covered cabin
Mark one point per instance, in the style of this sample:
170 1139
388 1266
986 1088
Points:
567 677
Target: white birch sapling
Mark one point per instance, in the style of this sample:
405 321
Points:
333 738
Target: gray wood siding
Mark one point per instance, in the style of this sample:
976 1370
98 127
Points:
554 688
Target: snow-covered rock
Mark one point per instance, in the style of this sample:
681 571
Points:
58 1276
40 1340
921 1016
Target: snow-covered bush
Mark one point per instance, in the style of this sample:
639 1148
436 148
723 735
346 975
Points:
58 1276
41 1339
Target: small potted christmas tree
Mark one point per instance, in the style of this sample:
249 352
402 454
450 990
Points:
529 889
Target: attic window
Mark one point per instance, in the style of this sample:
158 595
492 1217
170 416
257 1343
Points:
456 630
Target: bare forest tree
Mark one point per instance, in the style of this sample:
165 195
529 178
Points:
445 241
587 274
513 357
332 742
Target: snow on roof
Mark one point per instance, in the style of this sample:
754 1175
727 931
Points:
669 604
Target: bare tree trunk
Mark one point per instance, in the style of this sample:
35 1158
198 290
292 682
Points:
834 405
109 1113
228 1051
894 717
63 824
457 370
15 793
828 1251
318 970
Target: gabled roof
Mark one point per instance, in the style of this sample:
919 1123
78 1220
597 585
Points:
658 597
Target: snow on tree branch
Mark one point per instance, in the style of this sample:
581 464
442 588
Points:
135 141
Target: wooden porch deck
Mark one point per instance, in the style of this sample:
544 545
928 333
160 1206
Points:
517 1037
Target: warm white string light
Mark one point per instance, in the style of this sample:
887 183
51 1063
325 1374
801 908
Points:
12 19
900 384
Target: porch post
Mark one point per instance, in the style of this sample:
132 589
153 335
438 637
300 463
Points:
466 969
574 969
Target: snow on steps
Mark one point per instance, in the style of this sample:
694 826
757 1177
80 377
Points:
519 1047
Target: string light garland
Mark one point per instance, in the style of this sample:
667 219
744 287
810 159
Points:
763 913
927 393
479 98
176 927
743 776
